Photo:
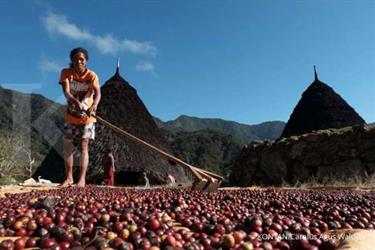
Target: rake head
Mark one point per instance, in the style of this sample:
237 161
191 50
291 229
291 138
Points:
203 184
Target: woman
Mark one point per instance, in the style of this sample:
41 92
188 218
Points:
108 164
82 92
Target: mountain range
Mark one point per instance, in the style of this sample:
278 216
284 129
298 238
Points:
267 130
214 144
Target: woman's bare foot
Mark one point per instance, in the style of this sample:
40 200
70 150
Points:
81 183
67 183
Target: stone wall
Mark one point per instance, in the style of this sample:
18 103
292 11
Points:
323 156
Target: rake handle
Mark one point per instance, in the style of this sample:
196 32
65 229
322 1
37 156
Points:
208 173
198 174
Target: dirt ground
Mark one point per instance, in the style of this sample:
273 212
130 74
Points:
355 239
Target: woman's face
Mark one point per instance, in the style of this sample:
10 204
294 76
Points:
79 62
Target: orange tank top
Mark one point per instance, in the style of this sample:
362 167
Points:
82 88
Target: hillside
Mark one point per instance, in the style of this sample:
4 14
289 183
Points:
206 148
30 113
214 144
30 124
247 133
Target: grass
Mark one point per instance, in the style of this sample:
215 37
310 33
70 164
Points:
336 131
367 182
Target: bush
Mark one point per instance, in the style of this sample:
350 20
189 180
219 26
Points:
16 161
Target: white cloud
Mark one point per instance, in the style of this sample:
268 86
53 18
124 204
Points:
139 48
146 67
49 66
58 24
107 44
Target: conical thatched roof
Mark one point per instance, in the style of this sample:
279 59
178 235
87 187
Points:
320 108
121 106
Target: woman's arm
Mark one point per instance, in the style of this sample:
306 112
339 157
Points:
98 95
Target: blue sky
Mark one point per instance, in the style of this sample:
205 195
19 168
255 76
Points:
246 61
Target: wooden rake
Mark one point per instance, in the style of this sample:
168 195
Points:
204 180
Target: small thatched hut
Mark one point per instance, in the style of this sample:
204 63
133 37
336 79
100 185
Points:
320 108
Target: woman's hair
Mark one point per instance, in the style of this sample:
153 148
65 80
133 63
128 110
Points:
75 51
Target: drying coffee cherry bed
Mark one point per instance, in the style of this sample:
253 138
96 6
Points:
124 218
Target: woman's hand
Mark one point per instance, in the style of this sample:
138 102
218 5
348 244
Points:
92 110
75 103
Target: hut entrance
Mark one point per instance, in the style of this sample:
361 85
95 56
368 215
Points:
135 178
130 178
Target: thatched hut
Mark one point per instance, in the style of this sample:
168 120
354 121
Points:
121 106
320 108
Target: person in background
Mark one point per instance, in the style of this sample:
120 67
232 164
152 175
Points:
108 164
82 91
146 180
171 180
